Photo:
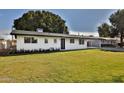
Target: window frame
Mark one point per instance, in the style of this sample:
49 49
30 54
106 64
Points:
81 41
72 40
55 41
34 40
30 40
27 40
46 41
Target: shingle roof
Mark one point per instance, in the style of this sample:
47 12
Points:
33 33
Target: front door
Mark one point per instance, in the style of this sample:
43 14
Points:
62 43
88 43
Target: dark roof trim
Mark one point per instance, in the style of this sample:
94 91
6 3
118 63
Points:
32 33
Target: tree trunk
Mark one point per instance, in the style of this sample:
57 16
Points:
121 40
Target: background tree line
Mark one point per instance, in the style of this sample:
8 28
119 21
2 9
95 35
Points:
116 27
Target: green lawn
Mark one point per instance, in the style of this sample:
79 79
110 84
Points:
71 66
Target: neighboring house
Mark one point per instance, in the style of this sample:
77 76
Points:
11 44
30 40
2 44
7 44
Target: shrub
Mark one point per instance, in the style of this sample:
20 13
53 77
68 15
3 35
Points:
22 51
35 50
107 45
51 49
40 50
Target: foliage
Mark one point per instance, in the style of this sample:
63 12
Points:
104 30
70 66
49 22
117 21
116 28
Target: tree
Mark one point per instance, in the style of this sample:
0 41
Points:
117 21
46 20
104 30
116 29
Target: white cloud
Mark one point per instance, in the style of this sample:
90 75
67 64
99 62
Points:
5 34
84 33
106 19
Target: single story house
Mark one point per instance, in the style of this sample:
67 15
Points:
34 40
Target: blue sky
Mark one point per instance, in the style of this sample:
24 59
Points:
78 20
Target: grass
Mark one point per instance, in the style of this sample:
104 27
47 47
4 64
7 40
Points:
70 66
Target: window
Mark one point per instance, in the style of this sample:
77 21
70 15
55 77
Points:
27 40
30 40
55 40
46 41
34 40
71 40
81 41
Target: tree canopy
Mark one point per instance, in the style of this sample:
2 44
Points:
49 22
104 30
117 21
116 28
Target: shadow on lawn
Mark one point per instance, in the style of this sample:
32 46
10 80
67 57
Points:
118 79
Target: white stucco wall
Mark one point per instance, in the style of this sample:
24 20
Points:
75 45
94 43
68 46
41 45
